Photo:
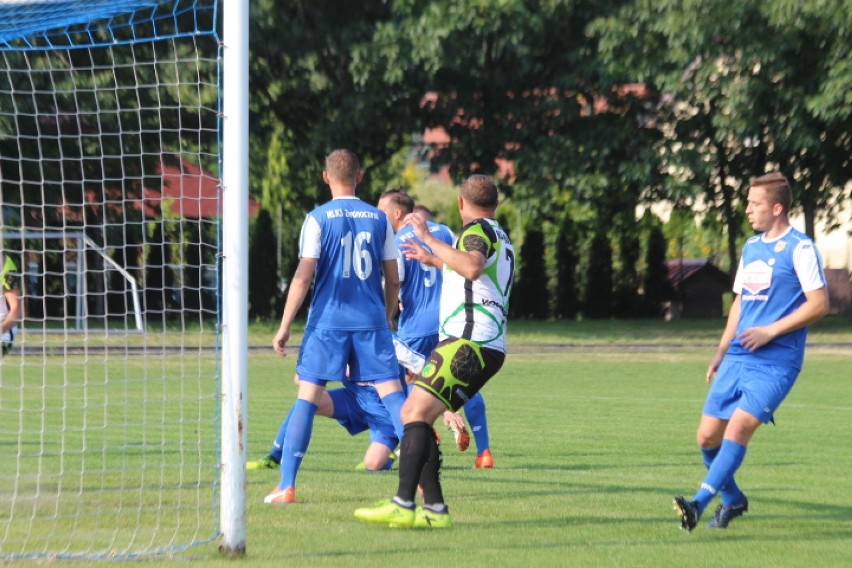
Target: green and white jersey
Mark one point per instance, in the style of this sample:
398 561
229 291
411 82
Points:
9 280
477 310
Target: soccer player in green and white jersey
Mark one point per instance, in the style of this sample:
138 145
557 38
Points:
10 302
478 275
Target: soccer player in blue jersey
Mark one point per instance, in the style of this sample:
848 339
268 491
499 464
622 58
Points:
10 302
478 274
358 408
345 247
420 297
780 289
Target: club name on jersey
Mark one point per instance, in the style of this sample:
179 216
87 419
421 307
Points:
493 304
336 213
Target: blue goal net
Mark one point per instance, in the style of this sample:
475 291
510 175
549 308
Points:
110 212
50 24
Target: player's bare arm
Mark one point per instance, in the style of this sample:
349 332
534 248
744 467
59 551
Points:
391 277
468 264
815 307
13 300
413 251
296 294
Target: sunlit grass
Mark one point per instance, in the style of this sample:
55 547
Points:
590 447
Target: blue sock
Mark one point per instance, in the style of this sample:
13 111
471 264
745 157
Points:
721 472
393 402
709 454
275 452
730 492
474 410
296 439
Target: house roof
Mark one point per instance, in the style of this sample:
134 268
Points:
681 270
193 192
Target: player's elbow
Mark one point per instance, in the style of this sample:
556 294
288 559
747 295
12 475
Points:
15 313
392 281
300 282
819 304
472 272
824 305
473 266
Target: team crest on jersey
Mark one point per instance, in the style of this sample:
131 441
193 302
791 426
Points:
428 370
780 246
757 276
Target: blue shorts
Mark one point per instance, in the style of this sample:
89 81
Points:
326 354
358 408
755 388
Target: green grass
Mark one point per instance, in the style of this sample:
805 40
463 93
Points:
590 449
643 331
685 332
592 427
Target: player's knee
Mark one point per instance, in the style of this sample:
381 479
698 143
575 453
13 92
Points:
708 438
374 464
411 413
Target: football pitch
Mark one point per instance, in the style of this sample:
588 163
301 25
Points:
592 437
592 428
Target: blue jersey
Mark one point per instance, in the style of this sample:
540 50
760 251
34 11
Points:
772 279
420 292
350 239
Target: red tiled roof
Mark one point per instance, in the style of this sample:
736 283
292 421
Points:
193 192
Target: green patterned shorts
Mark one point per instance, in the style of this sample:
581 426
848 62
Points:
457 369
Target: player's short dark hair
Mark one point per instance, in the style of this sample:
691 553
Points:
425 211
480 190
343 165
400 198
777 188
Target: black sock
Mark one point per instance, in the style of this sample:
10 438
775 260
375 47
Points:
413 455
430 477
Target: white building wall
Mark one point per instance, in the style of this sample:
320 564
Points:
836 246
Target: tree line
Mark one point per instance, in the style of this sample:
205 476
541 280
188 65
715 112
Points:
602 108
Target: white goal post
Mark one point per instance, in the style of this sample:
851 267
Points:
76 273
124 211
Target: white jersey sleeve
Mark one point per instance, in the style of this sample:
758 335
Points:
391 252
738 279
806 263
400 266
310 239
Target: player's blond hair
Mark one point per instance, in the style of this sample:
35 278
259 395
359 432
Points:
343 165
